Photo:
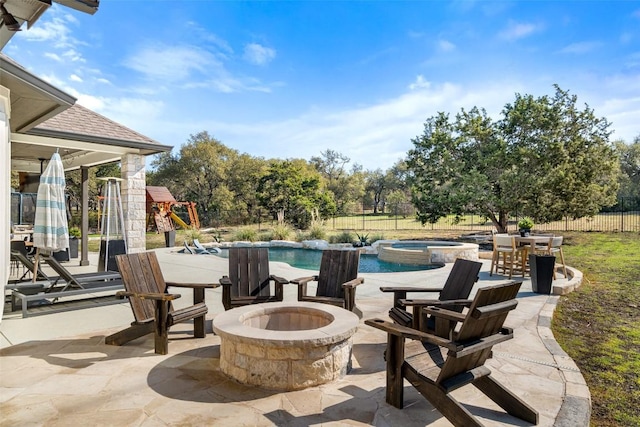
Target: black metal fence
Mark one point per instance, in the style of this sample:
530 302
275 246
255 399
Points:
622 217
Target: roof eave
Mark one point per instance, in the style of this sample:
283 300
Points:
146 148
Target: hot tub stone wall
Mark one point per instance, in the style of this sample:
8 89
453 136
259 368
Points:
415 255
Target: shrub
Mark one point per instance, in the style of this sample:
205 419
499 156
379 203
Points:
375 238
344 237
245 233
317 231
191 234
75 232
281 232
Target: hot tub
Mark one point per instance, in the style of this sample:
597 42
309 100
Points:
425 252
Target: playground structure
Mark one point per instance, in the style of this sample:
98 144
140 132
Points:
160 214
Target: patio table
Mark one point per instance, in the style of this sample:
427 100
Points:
529 243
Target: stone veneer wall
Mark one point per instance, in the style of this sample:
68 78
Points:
134 201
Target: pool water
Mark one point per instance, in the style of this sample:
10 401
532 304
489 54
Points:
309 259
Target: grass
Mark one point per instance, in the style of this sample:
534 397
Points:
599 324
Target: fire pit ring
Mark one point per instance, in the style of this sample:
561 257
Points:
285 345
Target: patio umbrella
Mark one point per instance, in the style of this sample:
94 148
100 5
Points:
50 228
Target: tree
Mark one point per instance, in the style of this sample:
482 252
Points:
291 188
345 189
545 158
198 174
629 155
375 184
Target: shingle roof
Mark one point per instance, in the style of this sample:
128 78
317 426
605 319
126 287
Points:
78 120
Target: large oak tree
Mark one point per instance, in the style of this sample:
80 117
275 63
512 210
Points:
544 158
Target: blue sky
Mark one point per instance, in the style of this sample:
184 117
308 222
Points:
290 79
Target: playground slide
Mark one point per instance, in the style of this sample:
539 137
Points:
178 221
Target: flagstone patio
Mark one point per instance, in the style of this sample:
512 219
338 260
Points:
56 369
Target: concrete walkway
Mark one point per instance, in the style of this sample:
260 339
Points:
56 369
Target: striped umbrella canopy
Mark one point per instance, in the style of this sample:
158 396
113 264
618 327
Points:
50 228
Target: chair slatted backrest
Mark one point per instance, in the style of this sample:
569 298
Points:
337 266
556 242
485 317
62 272
29 265
249 272
141 273
461 279
504 241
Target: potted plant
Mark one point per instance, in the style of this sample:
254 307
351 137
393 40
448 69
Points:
525 225
74 236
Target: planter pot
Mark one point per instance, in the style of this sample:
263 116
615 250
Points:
170 238
73 247
541 267
525 232
62 256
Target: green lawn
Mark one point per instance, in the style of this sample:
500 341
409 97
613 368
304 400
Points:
599 324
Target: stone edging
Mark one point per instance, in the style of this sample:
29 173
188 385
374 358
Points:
576 406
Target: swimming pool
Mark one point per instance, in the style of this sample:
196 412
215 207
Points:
309 259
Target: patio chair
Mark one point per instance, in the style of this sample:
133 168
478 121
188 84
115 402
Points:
151 303
553 247
82 280
199 248
436 366
505 247
249 280
28 267
453 295
336 281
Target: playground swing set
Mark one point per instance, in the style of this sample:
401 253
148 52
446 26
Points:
160 214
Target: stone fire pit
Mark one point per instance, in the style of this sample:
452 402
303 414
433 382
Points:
285 345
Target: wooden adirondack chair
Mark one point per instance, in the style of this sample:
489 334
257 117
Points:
453 295
436 366
337 279
249 280
151 304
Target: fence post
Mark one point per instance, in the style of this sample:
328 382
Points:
396 216
363 215
622 214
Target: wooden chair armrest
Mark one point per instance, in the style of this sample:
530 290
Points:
279 280
194 285
152 296
414 334
408 289
445 314
434 302
303 280
225 281
353 283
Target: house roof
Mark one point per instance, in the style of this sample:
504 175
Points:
83 124
45 119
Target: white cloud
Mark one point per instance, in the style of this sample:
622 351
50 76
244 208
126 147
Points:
384 128
257 54
518 30
75 78
171 63
53 56
446 46
419 83
581 47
